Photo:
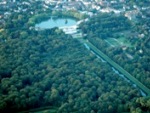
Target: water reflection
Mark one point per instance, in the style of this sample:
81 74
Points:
56 22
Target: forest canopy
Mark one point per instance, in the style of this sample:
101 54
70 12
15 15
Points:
50 68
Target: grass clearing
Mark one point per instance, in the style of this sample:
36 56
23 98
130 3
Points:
46 111
112 42
1 30
117 42
124 41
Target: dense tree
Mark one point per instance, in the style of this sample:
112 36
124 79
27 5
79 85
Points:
134 59
49 68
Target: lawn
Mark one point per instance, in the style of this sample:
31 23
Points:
116 42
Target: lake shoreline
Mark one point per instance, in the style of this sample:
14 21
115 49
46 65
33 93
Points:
56 22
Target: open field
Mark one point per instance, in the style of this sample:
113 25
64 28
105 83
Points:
116 42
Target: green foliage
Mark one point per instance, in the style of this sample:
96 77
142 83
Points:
38 18
102 27
72 14
49 68
140 105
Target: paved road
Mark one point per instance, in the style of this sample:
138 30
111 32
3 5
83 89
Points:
116 66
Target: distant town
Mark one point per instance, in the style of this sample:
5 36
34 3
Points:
133 11
89 7
84 6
